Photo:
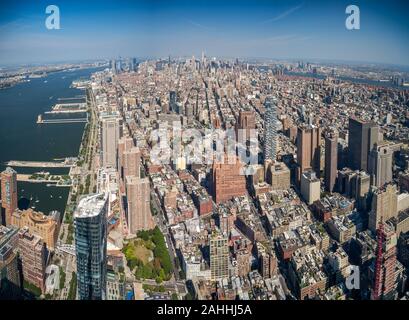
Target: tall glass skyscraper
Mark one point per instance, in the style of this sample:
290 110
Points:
270 129
90 219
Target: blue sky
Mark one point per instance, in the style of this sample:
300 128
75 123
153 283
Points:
301 29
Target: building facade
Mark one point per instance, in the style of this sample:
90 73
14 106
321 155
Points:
8 194
228 181
362 137
90 220
39 224
110 135
139 216
33 254
270 130
331 161
219 257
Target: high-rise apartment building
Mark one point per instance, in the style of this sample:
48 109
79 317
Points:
228 181
39 224
219 257
270 130
139 214
331 160
132 162
110 135
8 194
33 254
124 144
90 221
362 137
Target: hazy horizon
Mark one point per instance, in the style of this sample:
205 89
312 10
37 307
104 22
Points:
293 30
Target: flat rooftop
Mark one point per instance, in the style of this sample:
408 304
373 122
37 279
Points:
91 205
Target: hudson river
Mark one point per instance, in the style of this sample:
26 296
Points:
21 138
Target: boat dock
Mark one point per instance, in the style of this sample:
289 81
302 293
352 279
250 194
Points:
39 164
40 120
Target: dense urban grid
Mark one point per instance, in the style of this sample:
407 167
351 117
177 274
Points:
206 178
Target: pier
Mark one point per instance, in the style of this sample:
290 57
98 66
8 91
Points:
39 164
40 120
65 111
71 99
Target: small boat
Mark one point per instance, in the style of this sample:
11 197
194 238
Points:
60 197
45 81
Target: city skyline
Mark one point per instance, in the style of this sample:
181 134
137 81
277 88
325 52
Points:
312 30
164 163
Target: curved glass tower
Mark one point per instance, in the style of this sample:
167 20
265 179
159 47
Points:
90 220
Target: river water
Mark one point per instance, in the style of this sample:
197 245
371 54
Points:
21 138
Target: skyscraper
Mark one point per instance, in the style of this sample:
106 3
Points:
173 101
90 220
309 149
132 162
113 66
362 137
139 214
110 135
270 130
380 164
219 257
8 194
331 160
